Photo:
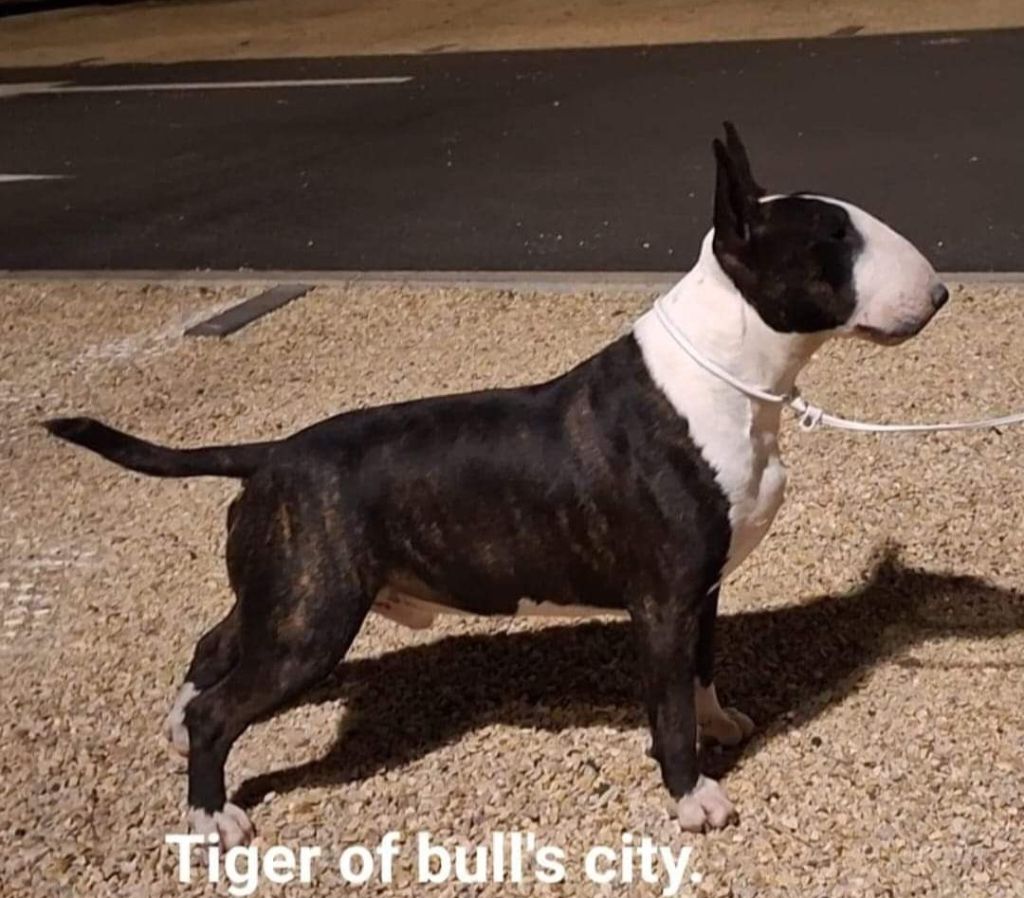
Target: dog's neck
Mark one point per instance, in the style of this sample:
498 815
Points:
737 435
711 312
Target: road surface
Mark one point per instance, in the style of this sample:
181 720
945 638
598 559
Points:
553 160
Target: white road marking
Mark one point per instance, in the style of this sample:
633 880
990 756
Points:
65 87
8 179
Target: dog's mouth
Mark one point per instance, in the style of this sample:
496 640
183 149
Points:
883 338
890 337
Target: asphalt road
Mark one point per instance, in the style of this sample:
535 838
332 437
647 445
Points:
592 160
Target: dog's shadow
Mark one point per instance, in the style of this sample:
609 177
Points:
783 665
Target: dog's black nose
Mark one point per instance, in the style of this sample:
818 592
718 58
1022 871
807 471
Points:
940 296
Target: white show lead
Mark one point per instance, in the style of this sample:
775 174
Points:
812 416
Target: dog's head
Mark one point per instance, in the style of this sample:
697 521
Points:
812 264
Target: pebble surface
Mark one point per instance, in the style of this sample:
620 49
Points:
876 637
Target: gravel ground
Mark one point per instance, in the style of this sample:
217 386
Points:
877 637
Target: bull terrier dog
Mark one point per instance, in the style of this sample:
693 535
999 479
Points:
633 484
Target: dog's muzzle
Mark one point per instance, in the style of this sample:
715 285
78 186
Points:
938 296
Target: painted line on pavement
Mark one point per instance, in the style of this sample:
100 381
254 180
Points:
29 88
10 179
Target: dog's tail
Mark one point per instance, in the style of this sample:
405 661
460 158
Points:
160 461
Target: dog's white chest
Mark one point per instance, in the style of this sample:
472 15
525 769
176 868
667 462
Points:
740 442
754 481
737 437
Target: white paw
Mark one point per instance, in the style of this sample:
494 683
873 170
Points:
726 726
175 730
706 807
230 823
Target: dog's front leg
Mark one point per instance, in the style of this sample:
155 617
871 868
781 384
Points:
667 639
727 726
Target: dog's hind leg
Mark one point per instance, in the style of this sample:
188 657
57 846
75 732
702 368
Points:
300 604
727 726
215 654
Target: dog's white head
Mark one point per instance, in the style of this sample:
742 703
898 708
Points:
813 264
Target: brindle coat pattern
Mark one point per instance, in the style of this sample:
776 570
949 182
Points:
585 490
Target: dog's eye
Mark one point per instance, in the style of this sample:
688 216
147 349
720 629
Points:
839 233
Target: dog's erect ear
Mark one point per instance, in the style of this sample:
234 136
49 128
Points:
738 154
737 209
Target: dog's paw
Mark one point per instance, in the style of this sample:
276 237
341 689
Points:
230 823
706 807
730 727
726 726
175 731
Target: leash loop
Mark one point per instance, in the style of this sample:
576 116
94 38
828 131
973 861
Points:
809 416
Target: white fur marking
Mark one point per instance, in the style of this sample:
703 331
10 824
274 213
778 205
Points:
706 807
175 730
416 614
892 279
737 437
230 823
419 614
